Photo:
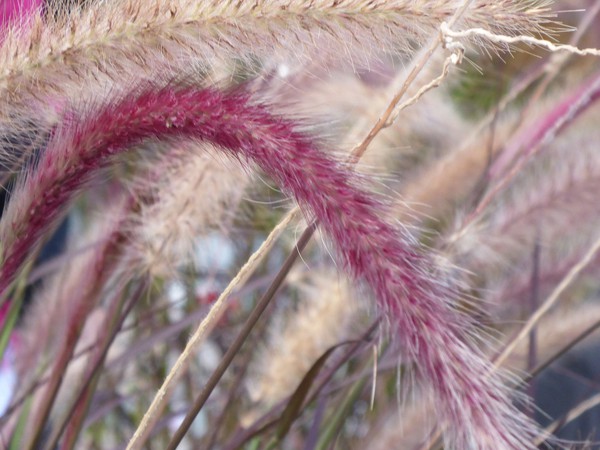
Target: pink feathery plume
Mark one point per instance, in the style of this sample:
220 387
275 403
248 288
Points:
472 401
527 143
12 10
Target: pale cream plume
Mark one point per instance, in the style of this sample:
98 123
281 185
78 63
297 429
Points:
93 51
298 337
419 134
192 190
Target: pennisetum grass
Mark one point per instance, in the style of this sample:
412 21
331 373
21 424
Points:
196 186
323 318
170 104
430 329
99 45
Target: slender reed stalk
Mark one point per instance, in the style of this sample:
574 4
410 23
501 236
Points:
551 300
235 347
71 423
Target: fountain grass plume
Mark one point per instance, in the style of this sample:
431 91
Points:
192 189
297 338
421 305
91 49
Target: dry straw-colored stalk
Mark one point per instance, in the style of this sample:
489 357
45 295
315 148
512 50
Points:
508 287
550 301
557 329
421 134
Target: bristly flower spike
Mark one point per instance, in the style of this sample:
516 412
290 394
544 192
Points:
472 402
94 49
